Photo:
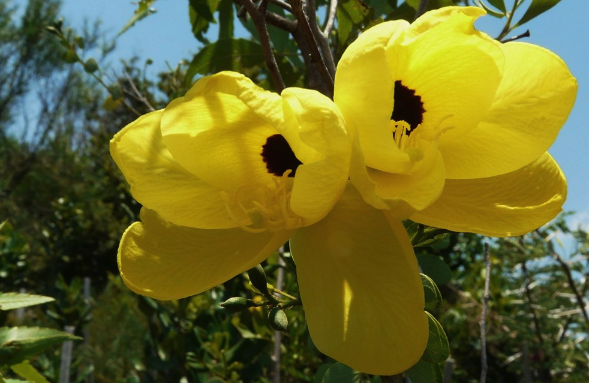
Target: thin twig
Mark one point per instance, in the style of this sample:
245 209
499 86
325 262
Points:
528 293
281 22
330 18
572 284
278 334
421 9
507 27
518 37
282 4
569 275
137 93
315 79
258 16
484 365
563 331
312 46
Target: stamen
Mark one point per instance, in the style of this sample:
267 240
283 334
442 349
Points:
439 132
270 209
401 133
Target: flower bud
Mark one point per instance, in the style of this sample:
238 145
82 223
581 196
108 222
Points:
258 278
278 320
237 304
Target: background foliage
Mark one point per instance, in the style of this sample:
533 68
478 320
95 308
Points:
66 206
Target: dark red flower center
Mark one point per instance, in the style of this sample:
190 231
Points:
408 106
279 157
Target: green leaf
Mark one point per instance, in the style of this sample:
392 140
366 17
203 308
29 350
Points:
425 236
27 371
499 4
491 11
536 8
402 12
230 54
431 5
20 343
433 297
350 14
143 10
435 268
318 378
438 348
201 15
428 242
413 3
424 372
340 373
11 301
225 19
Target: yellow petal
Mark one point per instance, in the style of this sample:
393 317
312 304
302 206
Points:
215 135
510 204
364 93
402 194
361 289
454 69
316 132
158 182
432 18
164 261
534 100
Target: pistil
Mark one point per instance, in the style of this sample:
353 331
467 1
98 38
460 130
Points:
265 208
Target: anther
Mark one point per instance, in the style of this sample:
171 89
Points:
269 211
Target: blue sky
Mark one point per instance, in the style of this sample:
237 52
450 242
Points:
166 37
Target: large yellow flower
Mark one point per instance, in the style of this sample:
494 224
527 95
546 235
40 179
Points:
230 172
453 126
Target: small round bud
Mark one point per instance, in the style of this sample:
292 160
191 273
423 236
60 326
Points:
278 320
90 66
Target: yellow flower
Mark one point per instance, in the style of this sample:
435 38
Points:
230 172
452 126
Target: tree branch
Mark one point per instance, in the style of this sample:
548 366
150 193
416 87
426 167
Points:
281 22
312 47
136 93
569 275
282 4
421 9
258 16
514 38
322 38
482 322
